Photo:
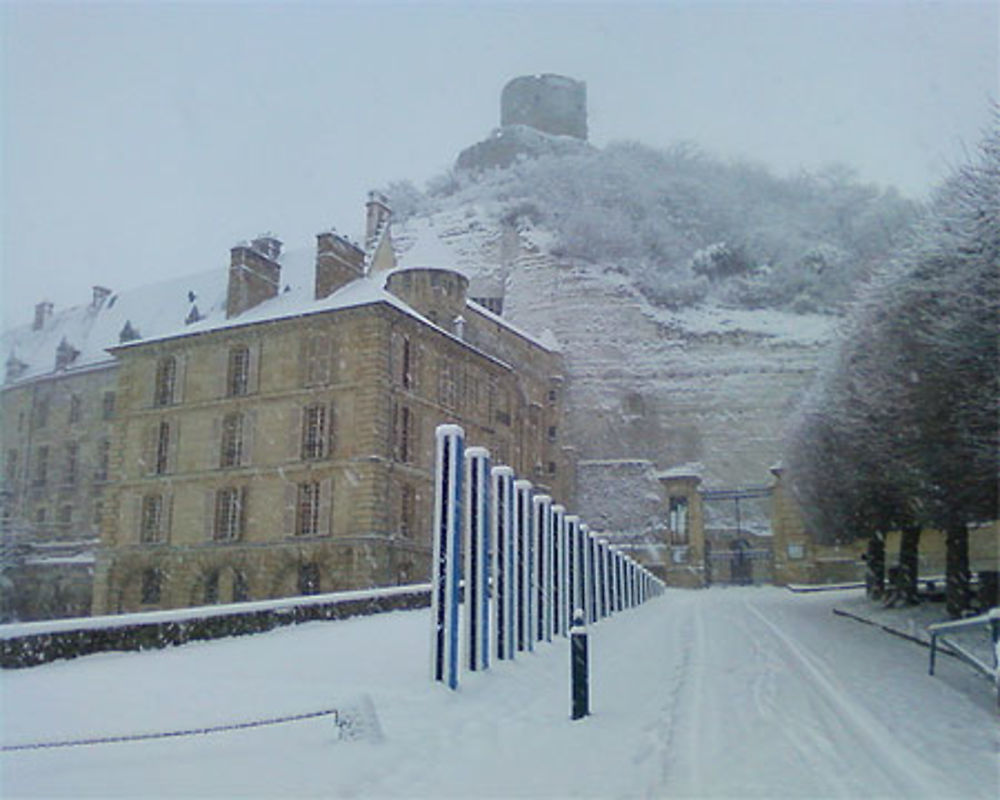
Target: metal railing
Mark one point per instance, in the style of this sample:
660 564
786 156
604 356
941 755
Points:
941 630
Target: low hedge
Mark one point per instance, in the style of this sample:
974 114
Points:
24 648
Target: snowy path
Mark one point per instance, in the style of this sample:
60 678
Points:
722 693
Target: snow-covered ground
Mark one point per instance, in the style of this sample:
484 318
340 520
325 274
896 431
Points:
750 692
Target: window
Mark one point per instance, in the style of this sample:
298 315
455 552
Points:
152 586
98 513
151 521
232 440
161 465
41 412
65 515
307 509
72 460
552 433
678 520
553 396
166 377
241 588
211 587
238 375
230 514
108 405
103 460
41 465
10 469
75 409
317 356
309 578
403 360
448 384
404 433
552 468
315 430
407 504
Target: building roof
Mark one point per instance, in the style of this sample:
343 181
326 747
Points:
187 306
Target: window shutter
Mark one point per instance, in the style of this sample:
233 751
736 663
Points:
244 514
167 516
333 359
291 498
214 449
249 426
253 369
173 452
394 430
304 360
179 378
136 524
147 453
295 434
326 506
416 453
331 431
222 372
209 515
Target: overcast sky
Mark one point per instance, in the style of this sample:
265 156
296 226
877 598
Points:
144 140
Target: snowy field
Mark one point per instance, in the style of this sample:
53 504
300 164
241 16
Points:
751 692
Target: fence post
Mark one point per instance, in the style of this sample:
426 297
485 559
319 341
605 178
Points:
590 574
505 560
560 564
477 558
579 667
524 537
543 568
449 440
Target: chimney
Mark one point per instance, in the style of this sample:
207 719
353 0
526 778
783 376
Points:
43 313
378 214
101 294
254 274
338 262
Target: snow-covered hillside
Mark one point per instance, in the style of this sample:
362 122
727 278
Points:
704 384
721 693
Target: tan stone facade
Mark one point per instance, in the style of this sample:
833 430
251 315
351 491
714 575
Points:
56 447
295 454
799 559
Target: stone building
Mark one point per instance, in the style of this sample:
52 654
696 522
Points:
285 446
256 431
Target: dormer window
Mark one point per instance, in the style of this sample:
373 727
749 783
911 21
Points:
66 354
127 333
15 368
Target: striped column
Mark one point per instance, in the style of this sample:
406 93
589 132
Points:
477 558
504 561
524 547
446 567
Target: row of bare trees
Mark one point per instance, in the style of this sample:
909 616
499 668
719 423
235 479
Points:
900 431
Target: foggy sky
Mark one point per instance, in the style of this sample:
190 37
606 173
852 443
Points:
144 141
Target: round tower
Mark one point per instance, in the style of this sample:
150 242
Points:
553 104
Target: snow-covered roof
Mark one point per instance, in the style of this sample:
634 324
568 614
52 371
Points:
92 328
192 305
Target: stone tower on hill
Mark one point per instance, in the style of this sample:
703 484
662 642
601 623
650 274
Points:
549 103
539 115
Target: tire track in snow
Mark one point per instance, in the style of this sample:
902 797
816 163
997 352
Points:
843 732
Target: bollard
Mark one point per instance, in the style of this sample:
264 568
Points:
477 558
505 558
524 544
446 567
579 667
